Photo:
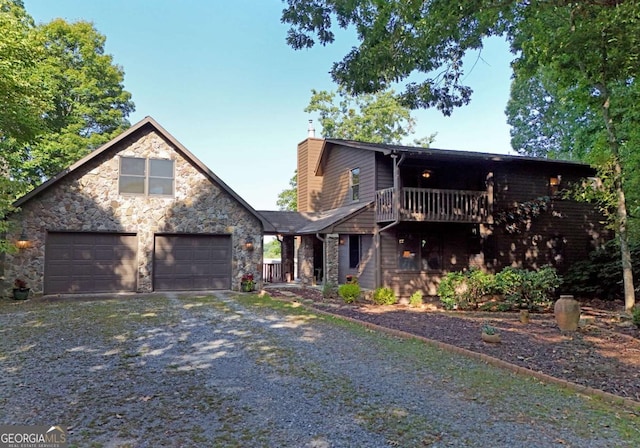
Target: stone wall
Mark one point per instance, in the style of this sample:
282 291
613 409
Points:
88 201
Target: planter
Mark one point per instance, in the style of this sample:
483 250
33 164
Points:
21 293
567 313
490 338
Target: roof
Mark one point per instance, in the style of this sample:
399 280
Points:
300 223
434 153
142 125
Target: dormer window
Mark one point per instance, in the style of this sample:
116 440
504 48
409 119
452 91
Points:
153 177
354 184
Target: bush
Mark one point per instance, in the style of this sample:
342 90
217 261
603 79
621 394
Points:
329 291
601 275
528 289
416 299
384 296
350 292
462 290
635 316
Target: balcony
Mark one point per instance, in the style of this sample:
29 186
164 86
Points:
433 205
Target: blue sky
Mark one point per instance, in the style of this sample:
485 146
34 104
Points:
220 78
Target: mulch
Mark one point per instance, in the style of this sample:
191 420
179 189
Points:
603 354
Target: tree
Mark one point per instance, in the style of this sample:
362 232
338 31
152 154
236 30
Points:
592 47
288 199
86 101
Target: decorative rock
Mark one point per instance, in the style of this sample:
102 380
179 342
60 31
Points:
567 313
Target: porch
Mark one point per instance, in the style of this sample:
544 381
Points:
433 205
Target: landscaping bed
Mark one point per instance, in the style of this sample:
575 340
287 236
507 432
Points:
603 354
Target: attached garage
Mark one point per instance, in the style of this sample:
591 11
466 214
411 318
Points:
79 262
192 262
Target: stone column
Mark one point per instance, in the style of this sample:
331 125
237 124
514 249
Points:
332 242
287 256
305 260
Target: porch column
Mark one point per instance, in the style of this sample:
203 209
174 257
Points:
331 244
287 251
305 260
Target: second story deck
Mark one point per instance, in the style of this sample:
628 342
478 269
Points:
432 205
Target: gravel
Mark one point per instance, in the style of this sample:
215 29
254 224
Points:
238 371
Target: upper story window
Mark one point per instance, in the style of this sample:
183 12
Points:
146 176
354 184
554 184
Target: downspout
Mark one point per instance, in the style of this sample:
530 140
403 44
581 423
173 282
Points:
396 206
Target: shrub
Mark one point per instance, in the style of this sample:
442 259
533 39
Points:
528 289
416 299
329 291
601 275
449 289
635 316
384 296
461 290
350 292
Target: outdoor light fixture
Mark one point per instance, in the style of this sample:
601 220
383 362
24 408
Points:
427 173
23 242
249 244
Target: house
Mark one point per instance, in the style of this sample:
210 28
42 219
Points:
402 217
141 213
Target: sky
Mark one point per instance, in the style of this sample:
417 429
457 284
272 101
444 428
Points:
219 77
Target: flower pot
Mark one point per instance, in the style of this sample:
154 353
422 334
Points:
21 293
490 338
567 313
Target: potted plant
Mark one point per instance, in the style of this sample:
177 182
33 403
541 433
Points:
490 334
247 283
20 290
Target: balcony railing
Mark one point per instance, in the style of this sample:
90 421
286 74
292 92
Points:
435 205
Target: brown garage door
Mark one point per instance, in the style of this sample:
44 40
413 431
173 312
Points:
90 262
192 262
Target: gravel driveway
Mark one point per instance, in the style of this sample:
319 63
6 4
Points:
216 371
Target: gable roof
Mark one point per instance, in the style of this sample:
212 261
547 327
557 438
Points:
300 223
142 125
432 153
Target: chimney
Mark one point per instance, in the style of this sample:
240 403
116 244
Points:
311 132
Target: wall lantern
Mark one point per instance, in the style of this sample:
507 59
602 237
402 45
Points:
23 242
249 244
427 173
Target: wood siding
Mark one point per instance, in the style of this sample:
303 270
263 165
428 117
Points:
338 164
360 223
365 272
309 185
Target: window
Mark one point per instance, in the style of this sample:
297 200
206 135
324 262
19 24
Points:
354 251
419 252
354 183
146 176
554 184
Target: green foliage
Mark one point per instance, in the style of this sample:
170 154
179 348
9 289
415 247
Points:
449 289
635 316
488 329
378 118
384 296
350 292
330 291
522 288
416 299
272 249
599 277
288 199
528 289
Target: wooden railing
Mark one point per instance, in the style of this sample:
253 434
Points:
435 205
272 272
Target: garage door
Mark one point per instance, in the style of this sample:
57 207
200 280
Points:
90 262
192 262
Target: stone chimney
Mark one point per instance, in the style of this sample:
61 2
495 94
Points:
311 132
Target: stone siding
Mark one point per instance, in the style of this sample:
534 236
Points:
88 201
